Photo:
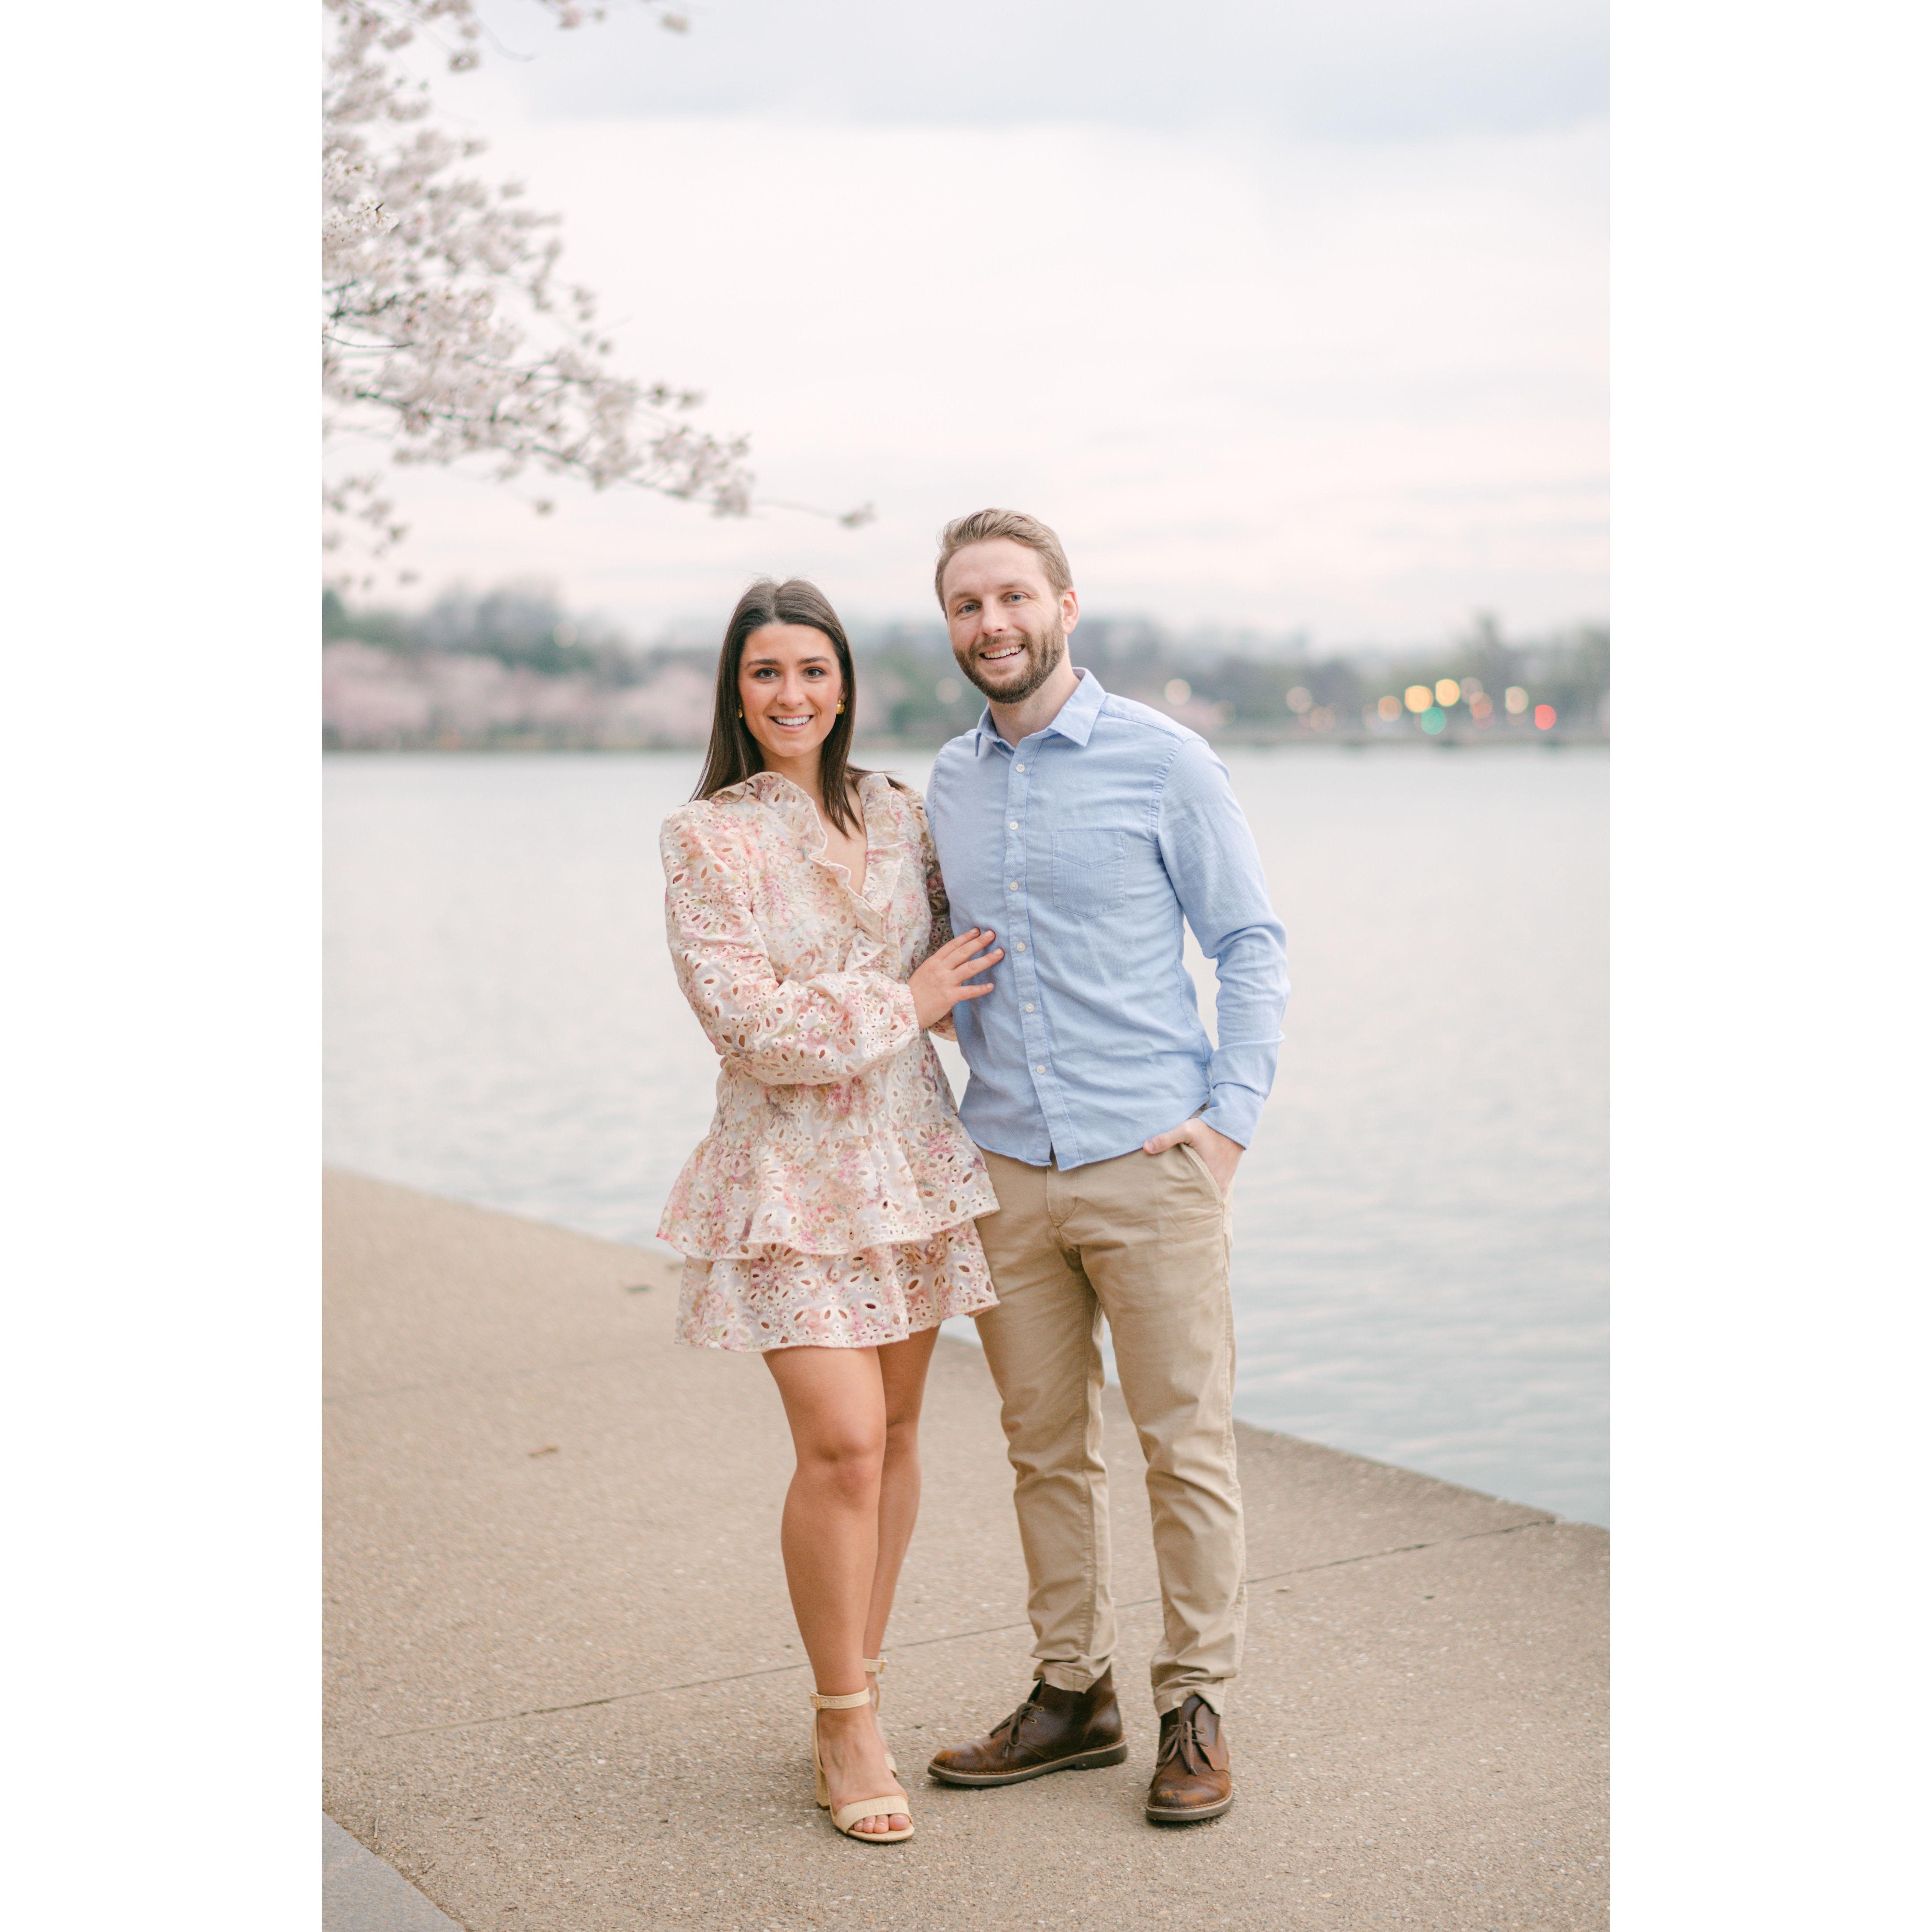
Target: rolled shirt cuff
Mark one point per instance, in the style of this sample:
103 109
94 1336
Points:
1234 1111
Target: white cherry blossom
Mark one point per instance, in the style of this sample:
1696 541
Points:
445 337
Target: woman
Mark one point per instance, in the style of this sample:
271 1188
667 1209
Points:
827 1219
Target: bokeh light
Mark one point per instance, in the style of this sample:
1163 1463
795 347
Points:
1179 690
1300 699
1480 708
1546 717
1388 710
1447 692
1517 699
1433 720
1418 697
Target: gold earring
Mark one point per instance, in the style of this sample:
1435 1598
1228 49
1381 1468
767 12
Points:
841 711
741 714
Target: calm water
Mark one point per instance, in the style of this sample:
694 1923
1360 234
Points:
1421 1228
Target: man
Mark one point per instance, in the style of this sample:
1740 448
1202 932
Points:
1083 828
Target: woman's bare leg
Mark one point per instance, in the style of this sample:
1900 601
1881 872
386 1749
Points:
902 1367
835 1401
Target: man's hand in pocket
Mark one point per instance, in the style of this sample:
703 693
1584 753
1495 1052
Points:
1221 1155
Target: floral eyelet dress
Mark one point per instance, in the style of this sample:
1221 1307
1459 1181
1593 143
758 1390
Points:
831 1203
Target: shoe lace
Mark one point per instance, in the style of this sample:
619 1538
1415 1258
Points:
1180 1743
1007 1730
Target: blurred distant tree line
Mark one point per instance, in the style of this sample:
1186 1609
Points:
1243 683
521 624
1268 686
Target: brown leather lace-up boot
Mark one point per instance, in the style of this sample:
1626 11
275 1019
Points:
1191 1778
1052 1730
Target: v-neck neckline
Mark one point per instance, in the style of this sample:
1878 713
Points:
856 888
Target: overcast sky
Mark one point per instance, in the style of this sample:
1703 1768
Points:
1371 70
1282 315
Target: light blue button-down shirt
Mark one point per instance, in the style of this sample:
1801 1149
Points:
1083 847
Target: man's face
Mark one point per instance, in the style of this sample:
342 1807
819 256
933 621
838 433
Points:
1008 625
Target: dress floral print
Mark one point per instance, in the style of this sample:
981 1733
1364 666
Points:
831 1203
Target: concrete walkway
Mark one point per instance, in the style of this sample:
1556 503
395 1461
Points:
564 1693
360 1893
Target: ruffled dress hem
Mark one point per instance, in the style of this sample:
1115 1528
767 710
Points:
779 1297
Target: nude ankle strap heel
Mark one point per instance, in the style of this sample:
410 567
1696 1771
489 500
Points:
846 1816
875 1667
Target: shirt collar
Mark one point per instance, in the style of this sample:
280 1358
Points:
1074 720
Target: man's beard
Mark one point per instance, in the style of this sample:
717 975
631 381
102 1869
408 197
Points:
1045 651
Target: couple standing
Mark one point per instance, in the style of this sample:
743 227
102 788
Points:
822 920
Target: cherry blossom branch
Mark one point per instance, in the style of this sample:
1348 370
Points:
442 336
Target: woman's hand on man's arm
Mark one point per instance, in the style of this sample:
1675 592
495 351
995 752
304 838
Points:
940 983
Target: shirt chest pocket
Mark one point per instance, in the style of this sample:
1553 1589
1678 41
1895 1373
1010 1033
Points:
1089 869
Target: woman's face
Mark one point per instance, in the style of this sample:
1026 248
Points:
789 689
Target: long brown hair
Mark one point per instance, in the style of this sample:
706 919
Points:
735 754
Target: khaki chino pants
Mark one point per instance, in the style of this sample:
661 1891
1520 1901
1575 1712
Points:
1141 1240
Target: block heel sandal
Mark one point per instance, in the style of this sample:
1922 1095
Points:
846 1816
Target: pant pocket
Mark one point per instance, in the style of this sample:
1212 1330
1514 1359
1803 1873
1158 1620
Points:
1195 1154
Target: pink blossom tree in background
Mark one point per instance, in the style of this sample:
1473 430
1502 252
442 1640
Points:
444 336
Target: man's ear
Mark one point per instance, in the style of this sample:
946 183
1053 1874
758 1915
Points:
1069 610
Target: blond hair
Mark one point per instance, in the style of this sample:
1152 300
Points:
984 525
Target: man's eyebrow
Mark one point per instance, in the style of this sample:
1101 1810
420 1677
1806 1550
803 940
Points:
1011 584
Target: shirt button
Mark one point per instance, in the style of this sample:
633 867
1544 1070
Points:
1019 768
1029 1006
1022 946
1013 825
1039 1069
1012 885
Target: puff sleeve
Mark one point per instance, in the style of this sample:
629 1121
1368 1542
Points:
811 1032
